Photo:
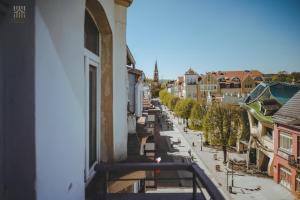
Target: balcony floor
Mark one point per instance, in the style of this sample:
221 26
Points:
152 196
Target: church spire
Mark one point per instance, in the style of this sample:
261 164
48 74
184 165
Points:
156 78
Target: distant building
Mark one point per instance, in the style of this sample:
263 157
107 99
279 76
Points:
228 83
179 86
287 144
170 85
261 104
156 76
190 81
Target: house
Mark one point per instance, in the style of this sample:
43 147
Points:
179 86
190 81
136 80
229 83
170 85
208 86
287 144
65 101
261 105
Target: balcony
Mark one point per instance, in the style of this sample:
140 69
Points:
201 185
293 162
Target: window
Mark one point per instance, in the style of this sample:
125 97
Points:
258 78
255 122
298 182
269 133
285 142
92 115
91 34
92 93
285 177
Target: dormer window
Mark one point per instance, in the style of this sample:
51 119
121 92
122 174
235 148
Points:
236 79
258 78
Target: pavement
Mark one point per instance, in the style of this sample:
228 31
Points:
245 186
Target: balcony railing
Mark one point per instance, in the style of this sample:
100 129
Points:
293 162
202 186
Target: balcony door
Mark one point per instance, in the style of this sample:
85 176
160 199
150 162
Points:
92 70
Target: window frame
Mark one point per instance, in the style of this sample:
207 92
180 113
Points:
286 135
90 58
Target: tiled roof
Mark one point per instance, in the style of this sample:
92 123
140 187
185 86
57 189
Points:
190 71
290 112
242 75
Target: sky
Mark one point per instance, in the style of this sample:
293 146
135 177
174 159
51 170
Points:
214 35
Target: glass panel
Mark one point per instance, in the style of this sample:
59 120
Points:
285 142
91 34
92 115
285 177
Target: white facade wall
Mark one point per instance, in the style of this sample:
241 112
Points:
139 95
60 95
120 95
190 91
59 88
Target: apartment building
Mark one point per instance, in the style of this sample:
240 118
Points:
261 104
287 144
63 69
228 83
190 81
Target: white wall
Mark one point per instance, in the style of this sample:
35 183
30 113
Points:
120 95
59 86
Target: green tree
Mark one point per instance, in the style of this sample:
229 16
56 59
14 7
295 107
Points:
179 108
221 125
187 105
172 102
197 114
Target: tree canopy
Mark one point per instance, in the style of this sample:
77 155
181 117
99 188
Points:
221 126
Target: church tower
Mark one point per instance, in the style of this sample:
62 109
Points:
156 78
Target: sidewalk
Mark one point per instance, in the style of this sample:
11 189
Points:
245 185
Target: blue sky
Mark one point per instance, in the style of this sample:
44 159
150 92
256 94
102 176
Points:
213 35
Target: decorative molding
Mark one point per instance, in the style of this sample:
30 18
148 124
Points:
125 3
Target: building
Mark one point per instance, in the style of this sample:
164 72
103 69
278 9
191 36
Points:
179 86
155 75
232 84
190 81
287 144
63 97
171 88
63 69
261 104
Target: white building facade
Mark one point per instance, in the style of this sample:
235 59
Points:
70 91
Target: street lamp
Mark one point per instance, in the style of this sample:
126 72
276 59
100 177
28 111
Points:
201 142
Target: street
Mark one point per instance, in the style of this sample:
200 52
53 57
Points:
245 186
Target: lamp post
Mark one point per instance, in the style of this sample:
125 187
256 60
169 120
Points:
201 142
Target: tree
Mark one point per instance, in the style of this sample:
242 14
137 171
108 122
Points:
172 102
187 105
179 108
197 114
221 125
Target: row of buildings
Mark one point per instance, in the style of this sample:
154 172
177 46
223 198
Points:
215 86
273 115
70 95
274 143
72 101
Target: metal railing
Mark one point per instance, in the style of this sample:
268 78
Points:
199 178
